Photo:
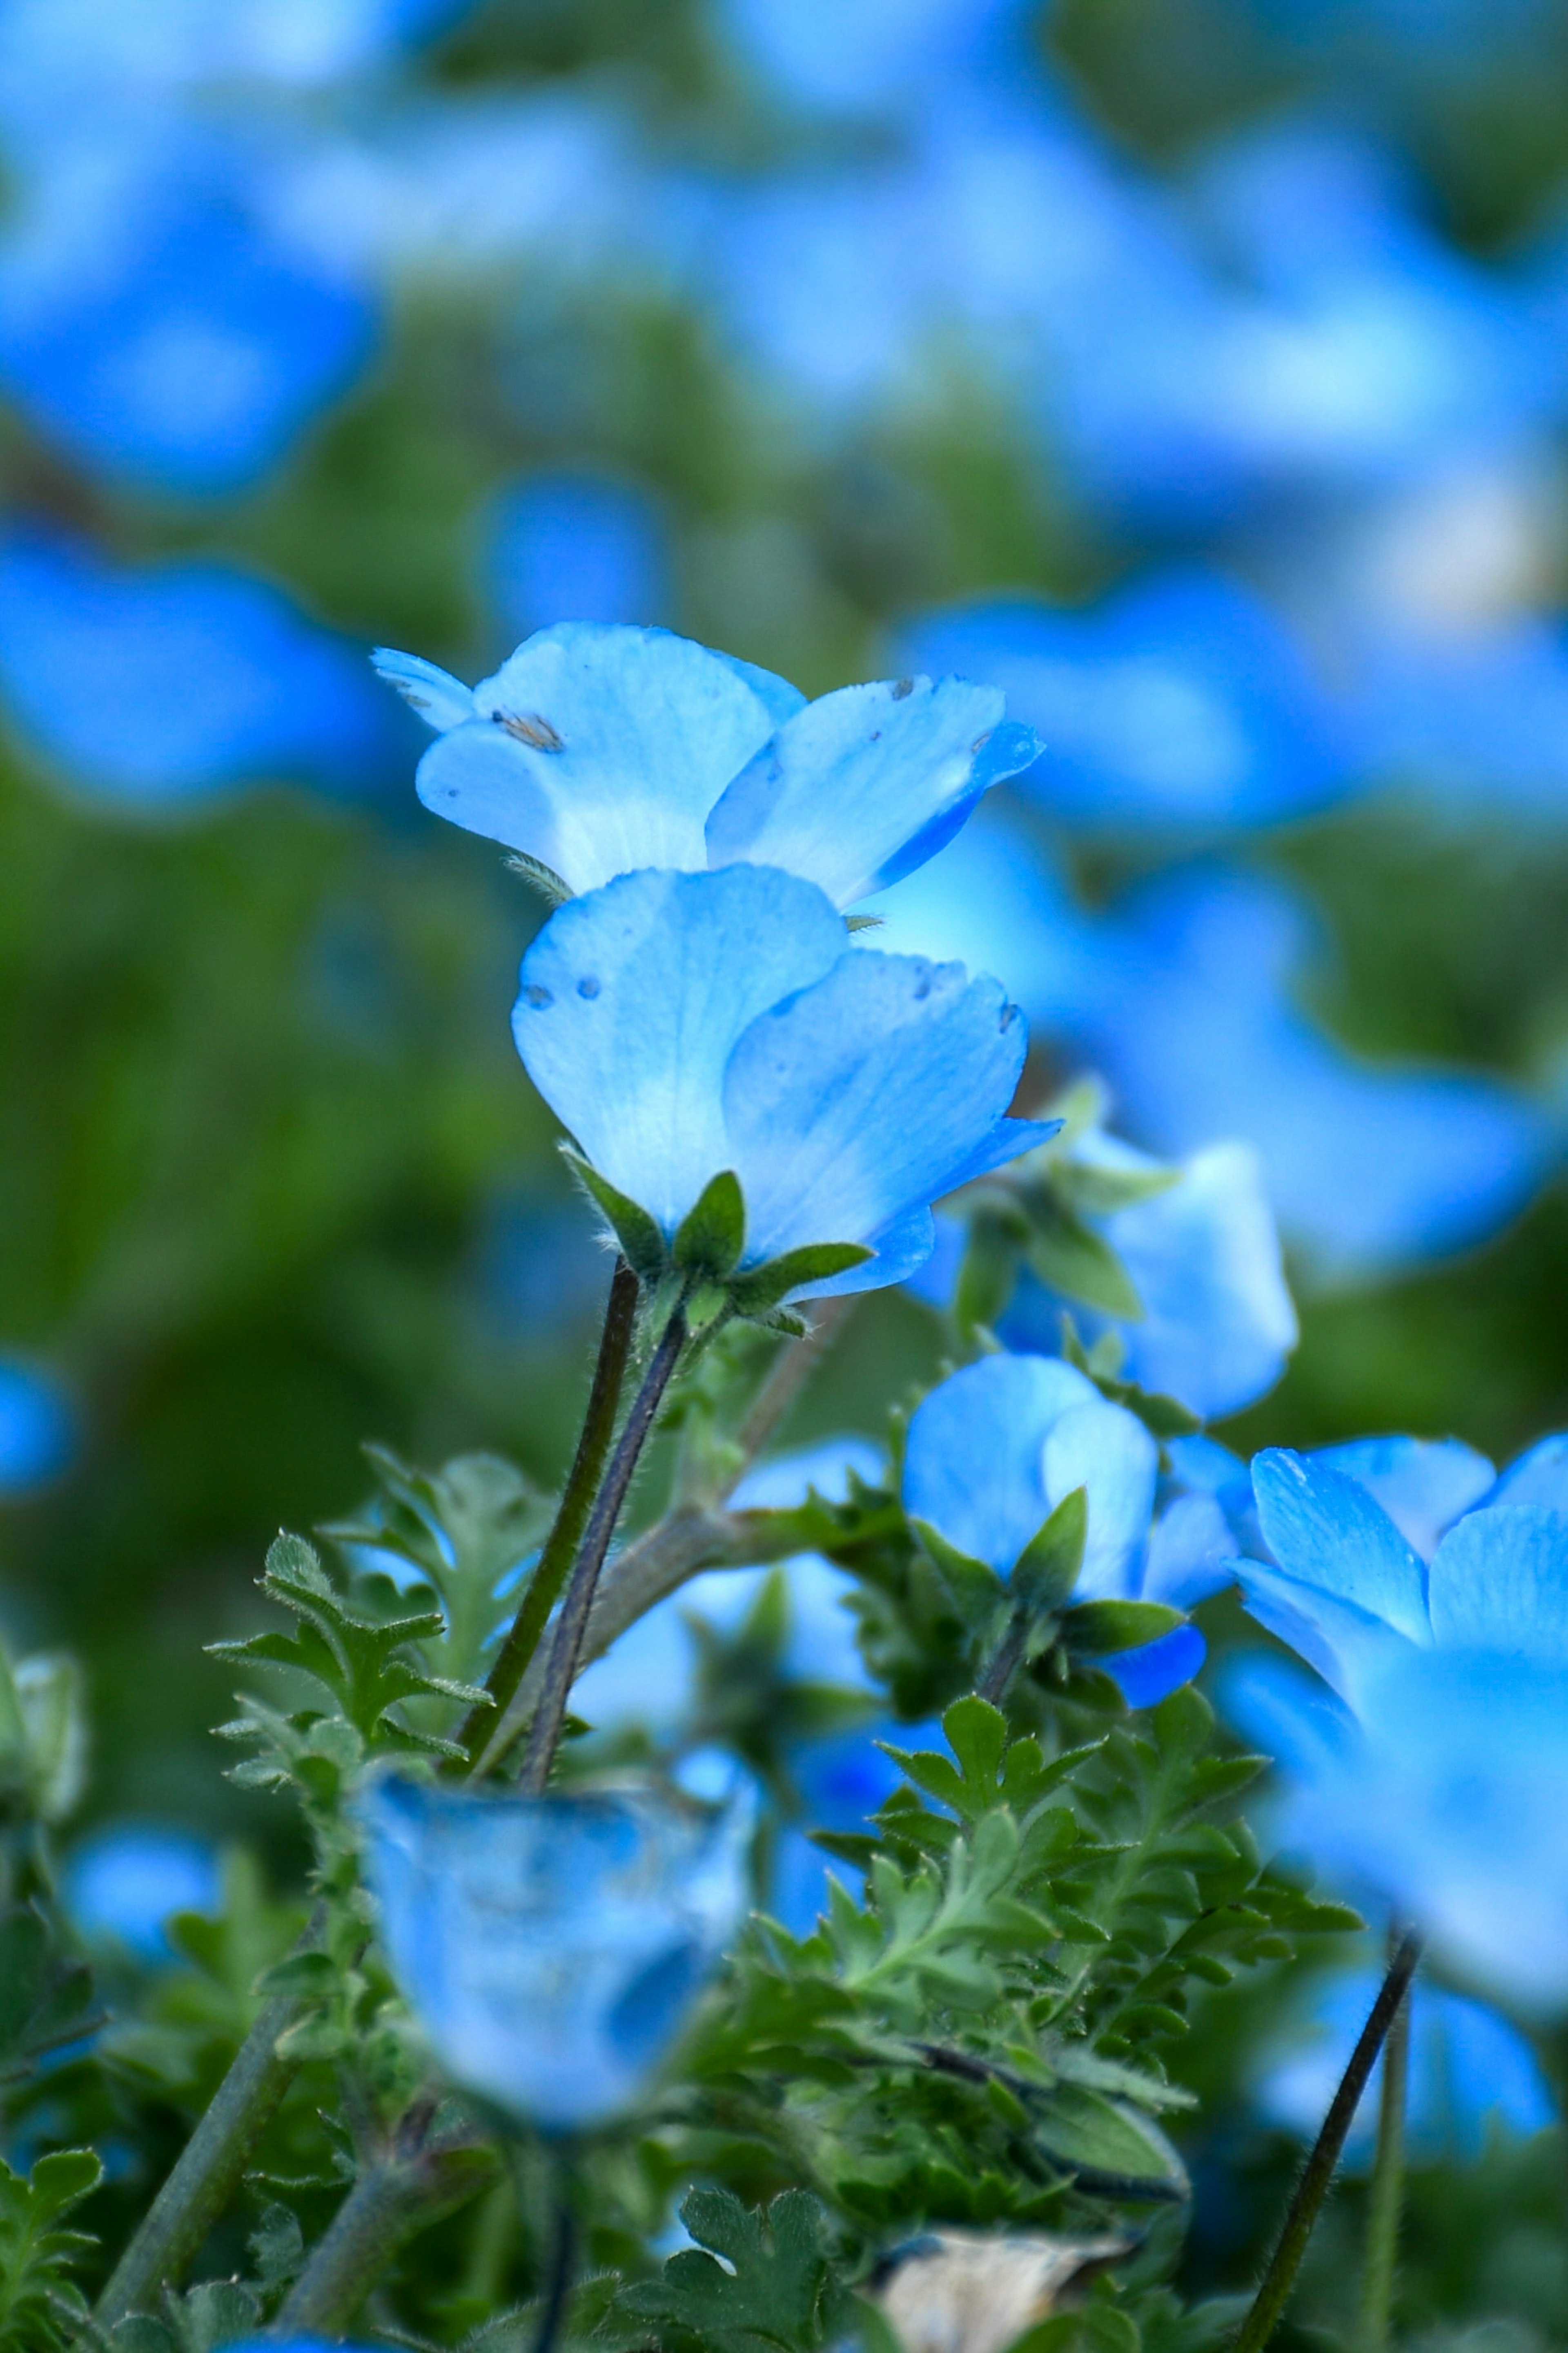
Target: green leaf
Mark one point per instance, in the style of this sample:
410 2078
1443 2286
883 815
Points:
1070 1258
1107 2141
761 1288
1049 1564
638 1233
769 2290
1095 1628
711 1236
1095 1190
46 1997
37 2296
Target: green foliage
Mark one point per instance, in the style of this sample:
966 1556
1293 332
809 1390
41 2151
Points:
40 2304
712 1234
773 2289
46 1993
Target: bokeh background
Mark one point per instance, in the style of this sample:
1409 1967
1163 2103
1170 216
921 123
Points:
1198 369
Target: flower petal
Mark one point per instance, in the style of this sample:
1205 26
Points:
1107 1450
1499 1582
1539 1476
1153 1672
441 700
1422 1483
631 1002
849 785
1326 1532
598 750
1342 1641
974 1464
861 1097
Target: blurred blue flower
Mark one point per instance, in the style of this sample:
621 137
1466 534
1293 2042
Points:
1393 1540
575 547
552 1948
1470 2072
1218 1321
157 329
1187 1007
1442 1798
1182 701
37 1431
840 1780
126 1882
999 1444
648 1676
55 51
681 1025
596 750
874 57
178 683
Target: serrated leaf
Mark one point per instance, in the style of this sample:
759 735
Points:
642 1243
711 1236
37 2296
767 2290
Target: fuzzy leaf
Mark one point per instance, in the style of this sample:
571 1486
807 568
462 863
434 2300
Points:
638 1233
711 1236
761 1288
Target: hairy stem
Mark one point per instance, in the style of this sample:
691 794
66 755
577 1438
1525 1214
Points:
563 2257
209 2168
407 2187
1385 2200
1001 1667
1274 2290
560 1544
561 1668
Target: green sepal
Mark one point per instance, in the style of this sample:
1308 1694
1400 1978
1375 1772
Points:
545 879
1163 1416
638 1233
1070 1258
1095 1628
711 1236
1050 1565
764 1287
977 1590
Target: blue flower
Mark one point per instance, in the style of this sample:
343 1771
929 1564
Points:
171 338
552 1948
1441 1799
870 57
129 1880
683 1025
841 1780
597 749
997 1446
579 546
1470 2071
38 1434
1190 1013
1182 701
1397 1541
178 683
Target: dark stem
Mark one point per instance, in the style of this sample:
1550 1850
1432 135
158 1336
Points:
209 2168
561 1668
1001 1667
1385 2200
1278 2281
558 2288
510 1663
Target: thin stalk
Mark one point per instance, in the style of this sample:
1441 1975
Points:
399 2193
510 1663
1274 2290
1003 1664
561 1669
563 2260
208 2170
1385 2199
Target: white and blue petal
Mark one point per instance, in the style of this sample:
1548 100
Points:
1539 1476
867 1094
598 749
1329 1536
974 1461
1499 1582
865 784
1422 1483
632 1001
442 701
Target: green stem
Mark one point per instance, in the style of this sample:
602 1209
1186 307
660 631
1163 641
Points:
560 1544
1278 2281
1385 2200
209 2169
1003 1665
402 2191
562 1666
